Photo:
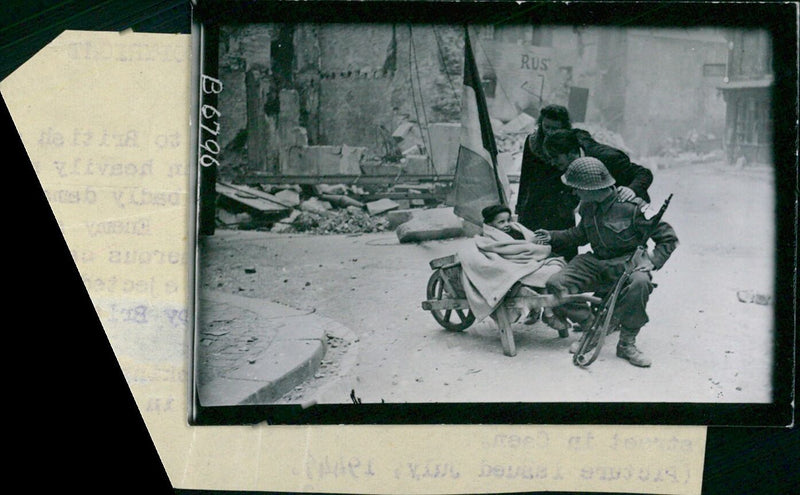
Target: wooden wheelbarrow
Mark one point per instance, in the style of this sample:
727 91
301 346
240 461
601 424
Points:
449 306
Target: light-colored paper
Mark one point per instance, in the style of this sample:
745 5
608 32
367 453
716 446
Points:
104 118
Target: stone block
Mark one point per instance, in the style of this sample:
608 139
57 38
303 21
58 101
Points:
328 159
381 206
397 217
330 188
402 131
471 229
445 138
301 161
341 200
288 197
431 224
227 218
315 205
292 216
351 158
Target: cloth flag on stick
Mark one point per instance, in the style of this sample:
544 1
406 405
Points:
477 182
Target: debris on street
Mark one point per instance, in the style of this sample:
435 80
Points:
345 221
749 296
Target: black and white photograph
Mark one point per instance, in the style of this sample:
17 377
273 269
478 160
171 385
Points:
330 320
488 213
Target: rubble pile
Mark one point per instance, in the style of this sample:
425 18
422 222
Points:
375 206
510 137
319 209
345 221
511 143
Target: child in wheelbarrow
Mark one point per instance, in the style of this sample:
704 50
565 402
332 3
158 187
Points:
614 229
507 260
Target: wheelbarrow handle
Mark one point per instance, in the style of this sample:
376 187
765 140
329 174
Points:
550 300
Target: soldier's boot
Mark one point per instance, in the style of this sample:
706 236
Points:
626 348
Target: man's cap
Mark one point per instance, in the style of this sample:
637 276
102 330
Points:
587 173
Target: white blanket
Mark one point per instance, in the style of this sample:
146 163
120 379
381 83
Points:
496 261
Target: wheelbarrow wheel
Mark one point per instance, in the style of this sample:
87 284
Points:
456 320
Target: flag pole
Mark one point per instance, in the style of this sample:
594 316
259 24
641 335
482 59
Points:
476 183
486 125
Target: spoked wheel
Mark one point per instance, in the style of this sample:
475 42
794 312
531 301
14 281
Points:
455 320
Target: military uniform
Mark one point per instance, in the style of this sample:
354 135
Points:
613 229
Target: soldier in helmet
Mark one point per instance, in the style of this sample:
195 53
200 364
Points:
613 229
544 202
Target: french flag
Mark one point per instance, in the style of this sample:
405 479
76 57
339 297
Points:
477 182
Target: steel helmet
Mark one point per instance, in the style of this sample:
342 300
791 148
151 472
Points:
587 173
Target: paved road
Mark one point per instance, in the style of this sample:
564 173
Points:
707 346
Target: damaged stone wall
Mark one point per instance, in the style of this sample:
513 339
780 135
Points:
672 98
247 134
344 85
381 76
353 84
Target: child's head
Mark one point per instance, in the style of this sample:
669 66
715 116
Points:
498 216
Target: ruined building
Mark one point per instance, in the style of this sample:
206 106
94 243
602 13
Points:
347 99
748 94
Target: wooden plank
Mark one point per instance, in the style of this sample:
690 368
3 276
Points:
448 285
248 199
440 262
445 304
453 279
506 333
548 300
247 190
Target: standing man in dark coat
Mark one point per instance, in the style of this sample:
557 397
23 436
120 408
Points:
536 195
550 205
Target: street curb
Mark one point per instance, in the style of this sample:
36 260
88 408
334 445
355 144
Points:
296 348
338 391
